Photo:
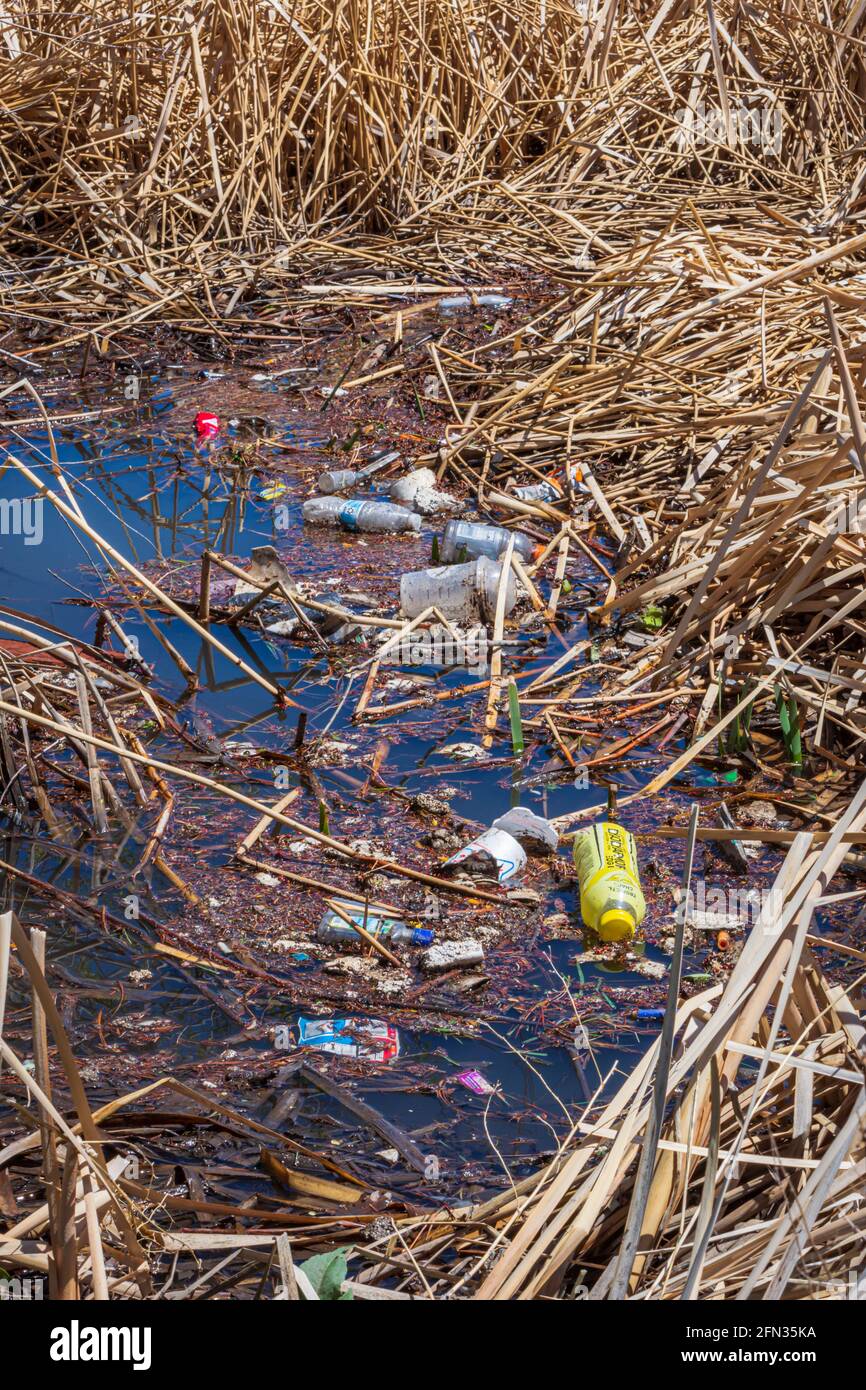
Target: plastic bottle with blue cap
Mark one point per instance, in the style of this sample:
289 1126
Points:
333 931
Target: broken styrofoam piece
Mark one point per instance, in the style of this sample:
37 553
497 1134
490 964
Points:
418 490
716 921
453 955
464 752
265 567
404 489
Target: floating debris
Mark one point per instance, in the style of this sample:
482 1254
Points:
368 1038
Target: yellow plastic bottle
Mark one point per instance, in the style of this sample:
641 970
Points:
611 900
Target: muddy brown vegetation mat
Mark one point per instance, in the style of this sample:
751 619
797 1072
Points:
669 201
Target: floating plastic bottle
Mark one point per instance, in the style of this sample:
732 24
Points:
551 490
611 900
335 932
463 593
473 538
338 480
357 515
453 302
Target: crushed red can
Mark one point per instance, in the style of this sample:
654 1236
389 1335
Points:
207 424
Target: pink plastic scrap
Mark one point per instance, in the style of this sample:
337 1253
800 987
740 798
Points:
474 1081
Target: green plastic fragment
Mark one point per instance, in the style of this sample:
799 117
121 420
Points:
653 617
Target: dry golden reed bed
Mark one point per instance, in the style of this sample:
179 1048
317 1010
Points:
168 160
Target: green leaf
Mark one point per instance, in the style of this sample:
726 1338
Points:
789 720
747 716
516 722
736 737
326 1274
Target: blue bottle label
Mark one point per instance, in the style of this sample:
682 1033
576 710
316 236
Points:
349 513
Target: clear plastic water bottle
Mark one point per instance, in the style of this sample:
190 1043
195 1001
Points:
333 931
472 301
463 593
478 538
357 515
337 480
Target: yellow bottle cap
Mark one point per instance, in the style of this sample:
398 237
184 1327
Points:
615 925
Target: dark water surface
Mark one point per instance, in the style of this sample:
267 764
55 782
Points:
146 486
